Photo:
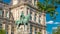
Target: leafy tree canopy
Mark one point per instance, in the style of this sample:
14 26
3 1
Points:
56 31
2 31
49 7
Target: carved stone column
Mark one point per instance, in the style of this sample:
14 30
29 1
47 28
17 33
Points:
37 18
25 10
9 29
33 30
4 21
33 16
43 31
43 19
36 3
33 2
37 30
28 29
3 25
4 15
15 30
43 22
28 11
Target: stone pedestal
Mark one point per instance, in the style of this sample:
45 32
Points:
9 29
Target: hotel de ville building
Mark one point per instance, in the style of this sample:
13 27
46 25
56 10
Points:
11 12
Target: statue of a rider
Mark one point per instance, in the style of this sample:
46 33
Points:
23 19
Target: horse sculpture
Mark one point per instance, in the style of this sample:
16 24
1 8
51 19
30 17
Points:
23 20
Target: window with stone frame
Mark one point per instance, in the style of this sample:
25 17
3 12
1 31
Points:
6 32
27 10
31 15
39 20
35 17
1 12
30 29
35 30
0 23
30 1
12 32
34 2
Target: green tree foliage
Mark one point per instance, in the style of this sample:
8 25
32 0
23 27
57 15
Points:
56 31
49 7
2 31
38 33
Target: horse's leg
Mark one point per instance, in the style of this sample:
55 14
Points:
19 25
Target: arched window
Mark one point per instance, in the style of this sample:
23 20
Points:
39 20
35 17
30 29
0 23
31 15
34 2
35 31
1 12
12 32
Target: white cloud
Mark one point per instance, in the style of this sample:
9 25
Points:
56 23
54 28
50 22
47 32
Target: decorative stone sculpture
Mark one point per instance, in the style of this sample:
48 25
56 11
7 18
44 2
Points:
23 19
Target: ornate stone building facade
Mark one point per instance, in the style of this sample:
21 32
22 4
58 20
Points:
11 12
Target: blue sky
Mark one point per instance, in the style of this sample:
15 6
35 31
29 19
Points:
51 24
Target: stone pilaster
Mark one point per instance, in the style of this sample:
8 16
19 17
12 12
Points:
25 10
28 29
37 30
37 18
43 19
3 26
36 3
4 21
43 31
4 13
43 23
15 30
33 2
9 29
33 16
33 30
28 11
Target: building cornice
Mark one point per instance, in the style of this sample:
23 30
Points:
18 5
3 6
